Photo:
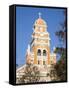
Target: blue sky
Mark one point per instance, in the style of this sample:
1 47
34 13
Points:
25 18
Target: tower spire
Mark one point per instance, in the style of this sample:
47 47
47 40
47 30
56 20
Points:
28 50
39 14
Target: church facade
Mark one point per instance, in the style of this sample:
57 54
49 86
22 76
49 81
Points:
38 51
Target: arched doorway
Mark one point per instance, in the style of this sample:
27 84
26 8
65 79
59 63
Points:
39 55
44 57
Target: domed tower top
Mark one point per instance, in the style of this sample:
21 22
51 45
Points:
40 23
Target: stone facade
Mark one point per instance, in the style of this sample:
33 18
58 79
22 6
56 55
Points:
39 49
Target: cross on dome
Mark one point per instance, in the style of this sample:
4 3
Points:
39 14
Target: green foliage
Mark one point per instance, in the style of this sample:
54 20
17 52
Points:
60 50
61 33
61 70
61 65
53 73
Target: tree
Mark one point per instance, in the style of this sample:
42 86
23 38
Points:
53 73
61 33
61 65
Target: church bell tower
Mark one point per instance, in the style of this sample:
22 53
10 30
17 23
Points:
40 43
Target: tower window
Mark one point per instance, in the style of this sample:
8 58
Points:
44 52
39 52
38 62
43 62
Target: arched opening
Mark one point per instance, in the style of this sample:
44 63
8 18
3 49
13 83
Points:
44 52
44 57
38 61
43 62
39 52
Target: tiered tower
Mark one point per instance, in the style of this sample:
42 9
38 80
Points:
40 44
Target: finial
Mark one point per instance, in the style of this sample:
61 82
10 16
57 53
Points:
54 48
28 50
28 47
39 15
